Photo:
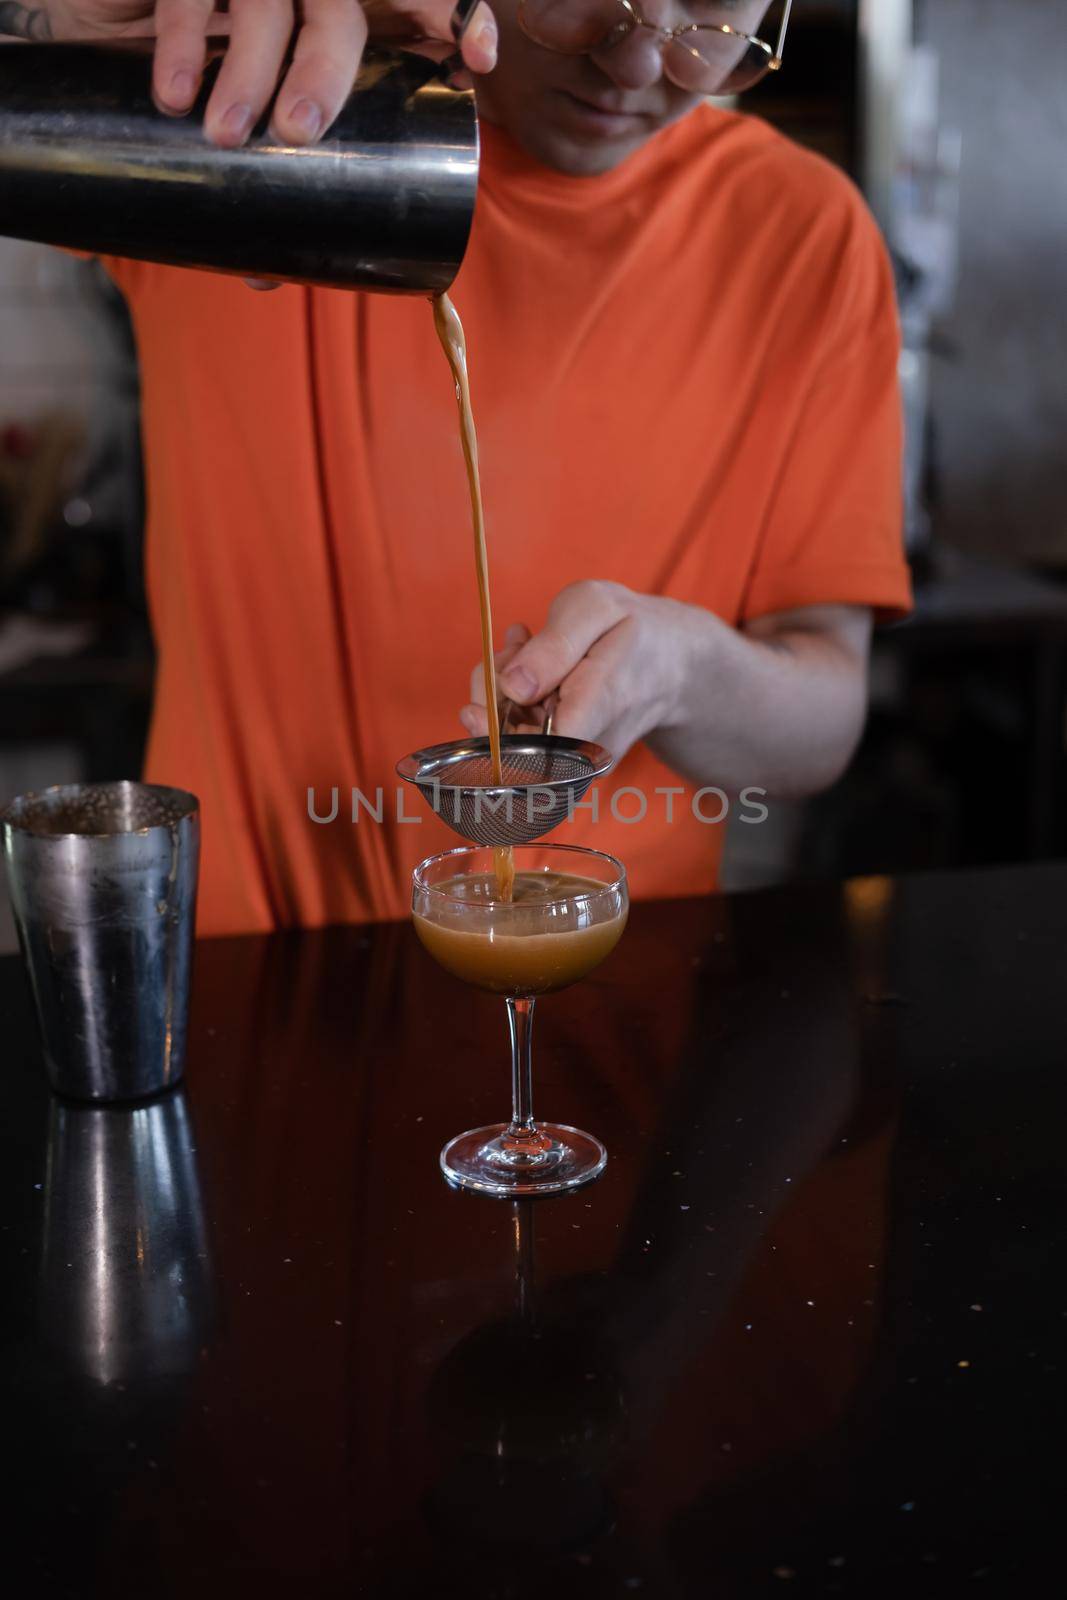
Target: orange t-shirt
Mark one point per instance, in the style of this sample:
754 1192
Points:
684 377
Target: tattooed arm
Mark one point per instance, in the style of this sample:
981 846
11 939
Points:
24 22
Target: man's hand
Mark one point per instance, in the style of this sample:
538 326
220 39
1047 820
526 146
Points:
329 40
778 706
608 652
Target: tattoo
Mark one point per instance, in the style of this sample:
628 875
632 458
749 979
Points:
24 22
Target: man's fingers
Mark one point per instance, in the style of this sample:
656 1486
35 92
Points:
480 41
594 701
514 639
593 698
260 31
577 618
433 18
328 52
329 48
181 49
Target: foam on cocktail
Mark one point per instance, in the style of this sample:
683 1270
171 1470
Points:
553 931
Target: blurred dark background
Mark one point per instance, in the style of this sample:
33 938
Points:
951 115
953 124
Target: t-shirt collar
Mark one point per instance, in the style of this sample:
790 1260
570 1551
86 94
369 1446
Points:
504 162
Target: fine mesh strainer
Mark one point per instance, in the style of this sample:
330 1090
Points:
545 775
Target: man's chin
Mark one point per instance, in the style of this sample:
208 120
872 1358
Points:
578 157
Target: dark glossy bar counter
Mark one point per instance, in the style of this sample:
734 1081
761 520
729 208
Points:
804 1337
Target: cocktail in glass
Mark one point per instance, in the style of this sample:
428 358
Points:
567 913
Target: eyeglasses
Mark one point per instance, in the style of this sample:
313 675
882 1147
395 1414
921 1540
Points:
705 56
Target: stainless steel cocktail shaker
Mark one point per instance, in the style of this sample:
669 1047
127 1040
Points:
103 883
384 202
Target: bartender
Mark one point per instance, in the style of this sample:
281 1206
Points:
683 348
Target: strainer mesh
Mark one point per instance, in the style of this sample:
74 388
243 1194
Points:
542 767
543 779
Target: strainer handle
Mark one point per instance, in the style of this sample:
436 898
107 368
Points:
508 706
461 17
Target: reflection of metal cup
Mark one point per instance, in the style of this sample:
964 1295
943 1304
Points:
125 1287
384 202
103 885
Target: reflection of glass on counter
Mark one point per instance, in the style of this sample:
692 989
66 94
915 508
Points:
125 1281
527 1414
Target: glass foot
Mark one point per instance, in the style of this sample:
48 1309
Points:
551 1160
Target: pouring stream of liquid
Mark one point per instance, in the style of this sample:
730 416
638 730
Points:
450 332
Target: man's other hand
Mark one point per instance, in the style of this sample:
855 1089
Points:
778 703
611 656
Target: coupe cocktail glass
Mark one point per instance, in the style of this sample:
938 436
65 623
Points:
567 914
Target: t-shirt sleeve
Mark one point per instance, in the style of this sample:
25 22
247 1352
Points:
834 531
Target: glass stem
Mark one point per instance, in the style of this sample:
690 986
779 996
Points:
520 1027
